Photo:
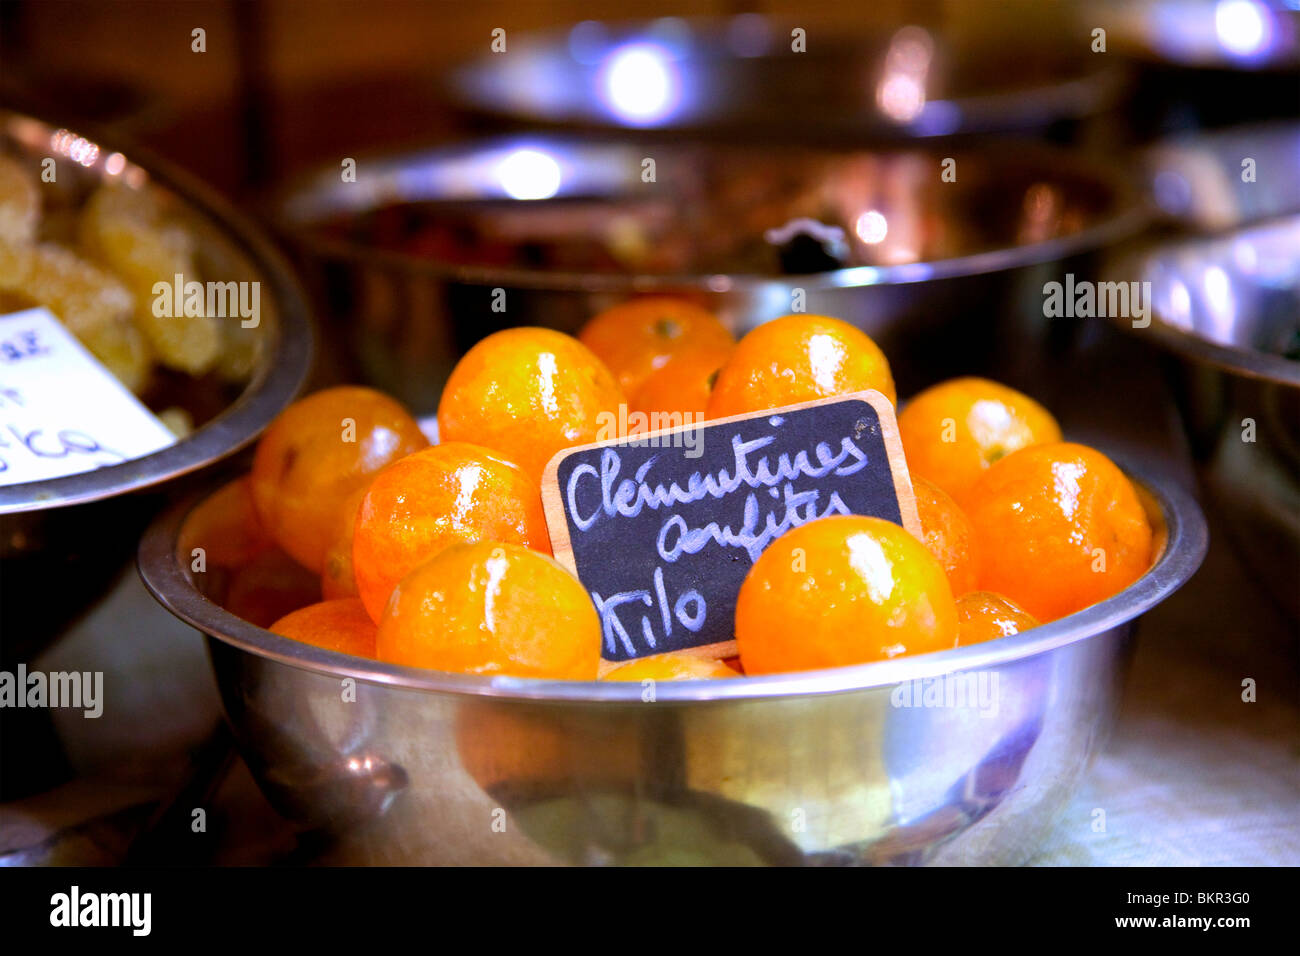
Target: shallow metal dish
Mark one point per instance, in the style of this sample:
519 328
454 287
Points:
79 529
948 263
862 78
823 767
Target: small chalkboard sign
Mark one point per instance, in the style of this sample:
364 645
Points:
662 527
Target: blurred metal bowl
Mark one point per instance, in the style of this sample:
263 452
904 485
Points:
1228 308
71 535
1197 178
427 252
846 766
863 78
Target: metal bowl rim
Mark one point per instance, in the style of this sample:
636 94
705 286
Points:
1185 546
1071 97
1250 363
288 354
1132 211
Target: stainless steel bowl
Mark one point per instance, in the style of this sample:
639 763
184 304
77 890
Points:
1227 308
79 530
407 261
861 77
399 765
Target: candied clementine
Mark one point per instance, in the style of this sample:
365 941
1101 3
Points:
318 452
492 608
948 535
225 525
639 337
528 393
1058 527
270 586
341 625
676 666
337 578
953 431
842 590
985 616
798 358
680 388
450 493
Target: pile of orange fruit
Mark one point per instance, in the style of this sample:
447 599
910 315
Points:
354 533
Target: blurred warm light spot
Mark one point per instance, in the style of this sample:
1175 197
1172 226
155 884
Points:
529 174
901 92
871 227
1242 26
639 83
77 148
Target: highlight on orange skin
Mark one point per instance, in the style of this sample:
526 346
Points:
319 451
842 590
528 393
948 535
639 337
952 432
1059 527
670 667
985 616
341 625
798 358
492 608
450 493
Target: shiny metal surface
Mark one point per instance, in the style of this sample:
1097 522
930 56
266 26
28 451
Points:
869 77
1197 179
1228 307
1245 35
80 529
829 767
943 258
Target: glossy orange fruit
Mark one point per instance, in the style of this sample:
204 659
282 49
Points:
842 590
953 431
318 452
639 337
670 667
1058 527
450 493
226 526
681 387
798 358
985 616
270 586
342 626
947 534
492 608
527 393
337 578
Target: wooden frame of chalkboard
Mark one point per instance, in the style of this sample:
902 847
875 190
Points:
831 453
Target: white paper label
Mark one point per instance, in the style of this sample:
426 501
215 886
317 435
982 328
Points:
61 411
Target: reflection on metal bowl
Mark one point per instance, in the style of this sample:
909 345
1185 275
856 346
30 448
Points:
1229 308
963 756
428 252
72 534
852 81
